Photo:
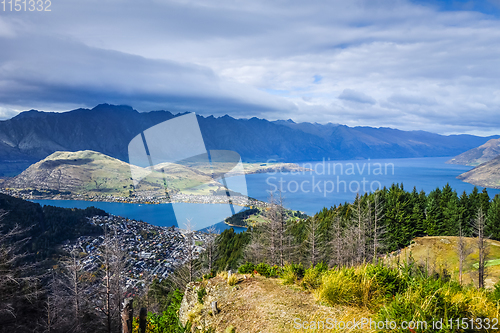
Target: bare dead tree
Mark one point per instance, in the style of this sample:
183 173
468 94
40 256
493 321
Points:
190 270
313 241
255 251
279 218
14 285
482 246
211 247
463 250
110 292
67 293
271 241
359 219
335 242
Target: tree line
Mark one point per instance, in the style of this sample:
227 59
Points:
374 225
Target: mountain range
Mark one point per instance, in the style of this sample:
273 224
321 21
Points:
33 135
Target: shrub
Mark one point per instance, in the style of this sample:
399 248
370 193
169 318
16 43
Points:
274 271
321 267
312 277
263 269
427 298
297 269
289 275
230 329
495 294
349 286
168 321
208 276
246 268
390 278
232 280
202 292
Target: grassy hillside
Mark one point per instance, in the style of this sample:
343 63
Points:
89 173
84 172
438 254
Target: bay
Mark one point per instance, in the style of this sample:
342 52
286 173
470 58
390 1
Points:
201 215
335 182
329 183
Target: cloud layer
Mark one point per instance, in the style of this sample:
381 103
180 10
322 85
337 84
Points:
411 65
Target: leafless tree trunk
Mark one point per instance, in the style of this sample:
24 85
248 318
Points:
463 251
211 248
112 260
336 241
13 284
378 229
190 269
274 234
313 241
482 246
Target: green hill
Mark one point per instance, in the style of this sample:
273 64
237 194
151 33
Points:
438 253
88 173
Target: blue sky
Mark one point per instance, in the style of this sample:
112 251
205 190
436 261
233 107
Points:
489 7
414 65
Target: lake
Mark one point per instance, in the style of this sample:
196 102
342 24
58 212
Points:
329 183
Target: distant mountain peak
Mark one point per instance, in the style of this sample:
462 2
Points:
108 129
111 107
476 156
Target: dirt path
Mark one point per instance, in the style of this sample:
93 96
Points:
264 305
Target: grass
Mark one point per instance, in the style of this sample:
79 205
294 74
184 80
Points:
405 293
488 263
390 293
232 280
438 253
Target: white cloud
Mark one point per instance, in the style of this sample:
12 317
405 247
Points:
391 62
356 96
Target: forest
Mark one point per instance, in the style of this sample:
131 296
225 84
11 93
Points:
340 239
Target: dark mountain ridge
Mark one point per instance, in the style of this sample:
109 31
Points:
108 129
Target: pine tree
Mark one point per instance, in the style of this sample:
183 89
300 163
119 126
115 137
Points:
492 228
433 213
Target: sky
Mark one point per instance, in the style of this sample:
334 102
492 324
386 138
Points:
414 65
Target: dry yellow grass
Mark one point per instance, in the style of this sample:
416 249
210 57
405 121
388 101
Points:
258 304
438 253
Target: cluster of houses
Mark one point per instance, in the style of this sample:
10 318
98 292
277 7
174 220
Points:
149 251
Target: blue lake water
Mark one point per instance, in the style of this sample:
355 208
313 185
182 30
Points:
334 182
330 183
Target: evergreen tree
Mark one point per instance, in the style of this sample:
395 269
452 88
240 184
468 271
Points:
433 213
493 219
449 205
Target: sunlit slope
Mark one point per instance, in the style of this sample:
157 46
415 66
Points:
439 253
91 173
